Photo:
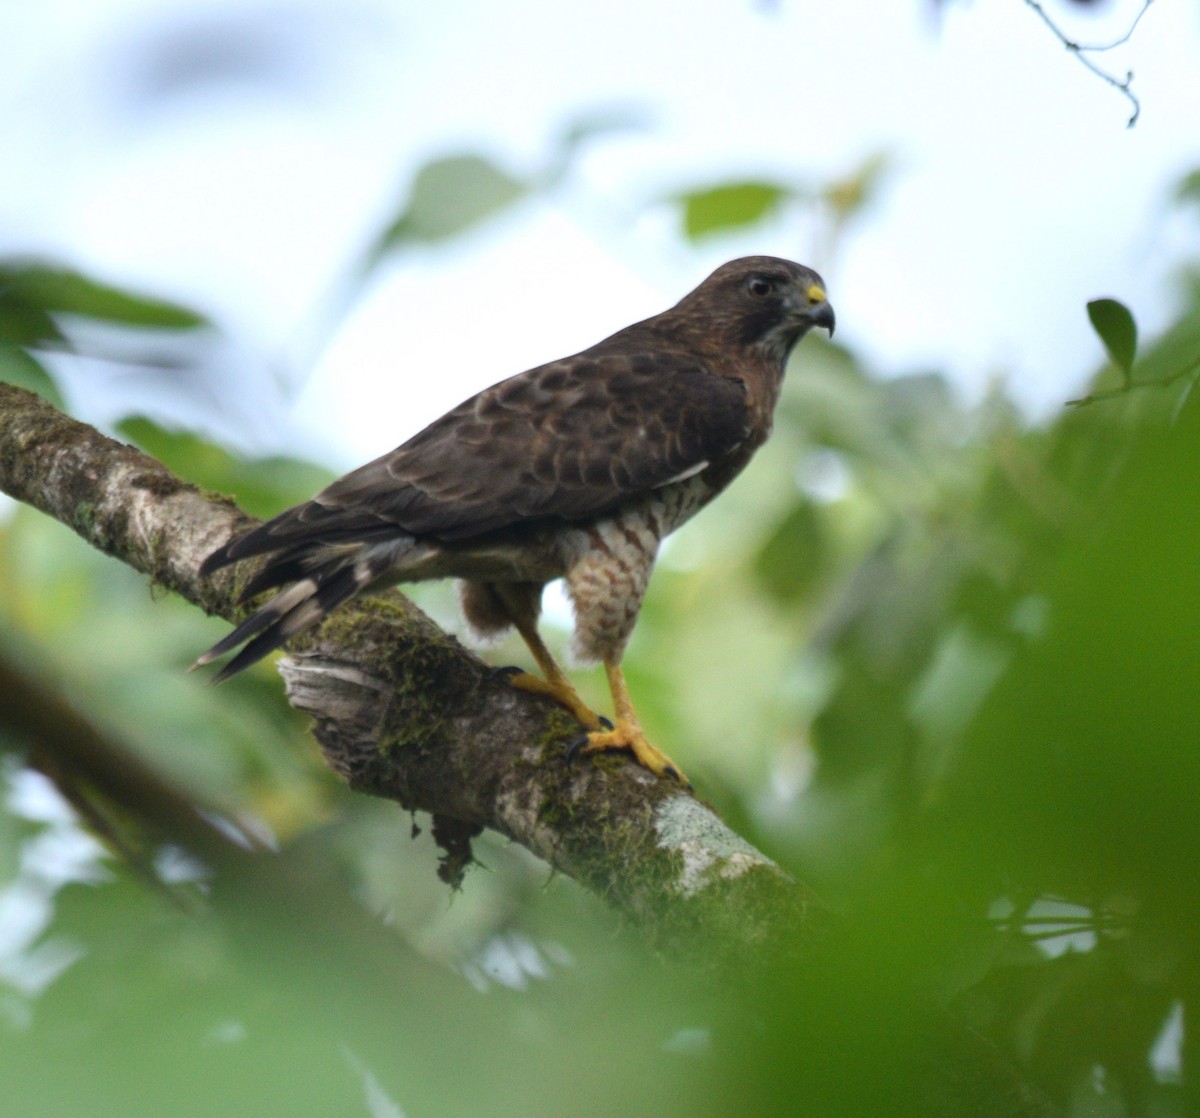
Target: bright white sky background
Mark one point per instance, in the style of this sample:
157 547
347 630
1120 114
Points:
1016 193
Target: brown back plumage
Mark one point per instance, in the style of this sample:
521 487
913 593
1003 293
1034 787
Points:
562 444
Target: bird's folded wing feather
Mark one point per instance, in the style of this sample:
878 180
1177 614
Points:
569 440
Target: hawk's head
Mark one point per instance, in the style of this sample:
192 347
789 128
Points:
762 303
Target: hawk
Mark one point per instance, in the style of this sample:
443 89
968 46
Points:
575 470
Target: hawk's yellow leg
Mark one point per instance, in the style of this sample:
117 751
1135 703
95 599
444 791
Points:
555 685
628 732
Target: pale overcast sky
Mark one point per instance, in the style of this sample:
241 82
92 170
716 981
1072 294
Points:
1016 192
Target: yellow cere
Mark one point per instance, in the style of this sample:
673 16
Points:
816 294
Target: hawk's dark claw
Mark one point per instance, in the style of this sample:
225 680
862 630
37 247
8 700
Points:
575 746
504 672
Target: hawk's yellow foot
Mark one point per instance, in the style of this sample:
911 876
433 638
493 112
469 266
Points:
555 684
628 733
561 691
632 737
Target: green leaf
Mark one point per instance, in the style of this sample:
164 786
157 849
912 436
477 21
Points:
1188 190
32 291
448 196
730 206
23 323
262 487
1117 329
19 368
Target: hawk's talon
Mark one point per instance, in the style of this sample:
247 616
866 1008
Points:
605 724
575 746
630 737
505 672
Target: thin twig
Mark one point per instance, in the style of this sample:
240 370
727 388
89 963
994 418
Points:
1082 50
1124 389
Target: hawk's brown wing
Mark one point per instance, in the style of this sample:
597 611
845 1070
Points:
570 440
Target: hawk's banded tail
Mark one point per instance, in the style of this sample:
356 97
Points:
321 578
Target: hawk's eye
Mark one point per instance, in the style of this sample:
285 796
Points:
760 286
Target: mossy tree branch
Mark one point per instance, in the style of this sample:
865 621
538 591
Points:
403 711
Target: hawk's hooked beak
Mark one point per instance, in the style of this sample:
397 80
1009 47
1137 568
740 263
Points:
820 313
